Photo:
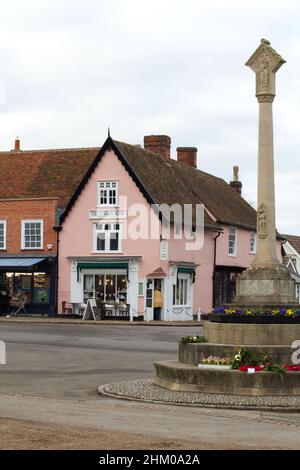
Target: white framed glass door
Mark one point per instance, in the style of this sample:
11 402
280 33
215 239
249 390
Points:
152 284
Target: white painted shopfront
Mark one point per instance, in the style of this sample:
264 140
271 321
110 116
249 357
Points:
117 281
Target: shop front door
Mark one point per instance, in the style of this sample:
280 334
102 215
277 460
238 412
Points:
152 311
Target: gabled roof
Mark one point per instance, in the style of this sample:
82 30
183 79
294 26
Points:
64 173
294 241
170 182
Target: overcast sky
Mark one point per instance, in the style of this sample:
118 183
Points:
70 68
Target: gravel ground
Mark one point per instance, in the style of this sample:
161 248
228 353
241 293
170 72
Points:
28 435
146 390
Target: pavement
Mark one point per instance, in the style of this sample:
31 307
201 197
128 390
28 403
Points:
79 321
53 372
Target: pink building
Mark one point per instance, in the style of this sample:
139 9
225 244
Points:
112 246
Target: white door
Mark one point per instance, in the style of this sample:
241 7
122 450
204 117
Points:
151 284
149 299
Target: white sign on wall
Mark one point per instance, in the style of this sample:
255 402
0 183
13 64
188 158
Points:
107 214
164 250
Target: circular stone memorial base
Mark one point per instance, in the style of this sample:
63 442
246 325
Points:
282 334
186 378
146 390
225 340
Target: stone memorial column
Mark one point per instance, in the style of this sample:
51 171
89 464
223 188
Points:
266 282
265 62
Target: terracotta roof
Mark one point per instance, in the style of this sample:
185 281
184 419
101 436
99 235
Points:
44 173
294 240
63 173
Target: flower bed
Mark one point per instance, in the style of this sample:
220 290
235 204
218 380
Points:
225 314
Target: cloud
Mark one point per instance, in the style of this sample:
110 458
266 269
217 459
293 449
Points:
71 68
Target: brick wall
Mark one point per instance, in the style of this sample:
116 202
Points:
16 210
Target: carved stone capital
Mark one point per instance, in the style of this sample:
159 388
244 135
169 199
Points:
265 98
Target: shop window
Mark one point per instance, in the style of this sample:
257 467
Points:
32 234
105 287
36 286
181 291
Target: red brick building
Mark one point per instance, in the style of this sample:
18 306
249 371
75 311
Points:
35 186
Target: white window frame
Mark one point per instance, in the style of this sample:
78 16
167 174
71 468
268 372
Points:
253 251
232 227
107 237
107 189
26 221
187 278
4 234
141 290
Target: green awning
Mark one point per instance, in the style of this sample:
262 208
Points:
186 270
101 266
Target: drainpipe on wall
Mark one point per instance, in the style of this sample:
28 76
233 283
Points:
214 268
57 229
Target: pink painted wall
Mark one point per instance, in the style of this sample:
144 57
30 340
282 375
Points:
76 237
203 286
243 257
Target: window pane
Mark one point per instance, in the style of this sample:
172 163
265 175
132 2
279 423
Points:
110 287
101 241
100 287
114 241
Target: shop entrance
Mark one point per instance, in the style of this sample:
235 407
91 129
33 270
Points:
154 299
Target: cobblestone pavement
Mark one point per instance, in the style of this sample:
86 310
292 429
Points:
147 391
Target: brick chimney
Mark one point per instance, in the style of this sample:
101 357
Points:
159 144
187 155
17 145
236 184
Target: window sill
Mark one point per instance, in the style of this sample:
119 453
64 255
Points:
232 256
252 252
107 252
107 206
35 249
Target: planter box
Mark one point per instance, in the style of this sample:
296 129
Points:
260 319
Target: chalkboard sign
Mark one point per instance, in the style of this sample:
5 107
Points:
90 312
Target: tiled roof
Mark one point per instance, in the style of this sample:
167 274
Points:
294 240
170 181
45 173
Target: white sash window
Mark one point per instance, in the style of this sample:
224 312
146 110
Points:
107 238
232 248
32 234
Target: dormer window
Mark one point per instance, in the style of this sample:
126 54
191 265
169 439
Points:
108 193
